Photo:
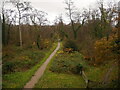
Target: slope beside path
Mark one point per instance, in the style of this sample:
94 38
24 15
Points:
41 70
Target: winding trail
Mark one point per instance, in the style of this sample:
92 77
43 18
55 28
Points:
41 70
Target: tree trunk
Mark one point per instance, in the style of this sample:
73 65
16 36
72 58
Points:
38 42
119 21
8 33
75 35
0 33
20 32
3 31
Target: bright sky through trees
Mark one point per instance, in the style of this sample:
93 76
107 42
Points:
57 7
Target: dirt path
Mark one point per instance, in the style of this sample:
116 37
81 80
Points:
41 70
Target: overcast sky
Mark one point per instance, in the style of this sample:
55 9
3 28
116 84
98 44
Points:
57 7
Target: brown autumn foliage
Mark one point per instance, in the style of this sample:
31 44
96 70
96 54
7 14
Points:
107 50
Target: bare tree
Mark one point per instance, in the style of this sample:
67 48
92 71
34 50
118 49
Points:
0 33
118 21
3 25
107 14
71 11
21 7
9 19
38 18
41 16
62 32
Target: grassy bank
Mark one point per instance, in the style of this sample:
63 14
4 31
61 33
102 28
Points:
60 72
19 79
60 79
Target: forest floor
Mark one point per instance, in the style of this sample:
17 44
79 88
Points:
60 70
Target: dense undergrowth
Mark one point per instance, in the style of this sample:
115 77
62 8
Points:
21 64
64 66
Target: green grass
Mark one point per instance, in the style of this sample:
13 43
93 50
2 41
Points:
60 80
63 78
19 79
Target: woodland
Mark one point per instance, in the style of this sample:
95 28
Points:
92 39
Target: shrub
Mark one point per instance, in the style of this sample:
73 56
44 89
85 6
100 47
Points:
28 59
70 45
79 68
67 63
69 50
22 62
104 49
8 67
46 43
65 66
